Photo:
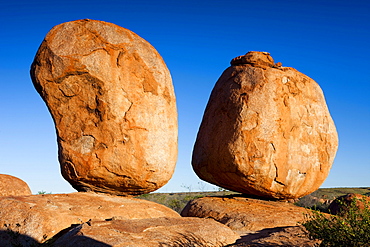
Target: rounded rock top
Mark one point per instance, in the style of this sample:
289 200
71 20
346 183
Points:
255 58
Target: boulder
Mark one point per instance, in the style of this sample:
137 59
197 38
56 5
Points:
149 233
111 97
341 204
13 186
40 217
266 131
246 215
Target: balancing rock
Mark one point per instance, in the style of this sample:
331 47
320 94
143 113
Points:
266 131
113 104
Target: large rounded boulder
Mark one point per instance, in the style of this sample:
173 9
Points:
266 131
13 186
113 104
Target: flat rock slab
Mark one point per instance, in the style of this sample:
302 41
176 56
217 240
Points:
42 216
149 233
13 186
246 215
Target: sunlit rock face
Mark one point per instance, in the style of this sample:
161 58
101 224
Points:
266 131
112 100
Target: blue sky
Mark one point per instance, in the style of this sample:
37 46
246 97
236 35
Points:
326 40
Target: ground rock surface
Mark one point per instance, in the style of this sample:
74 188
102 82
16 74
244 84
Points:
149 233
13 186
40 217
246 215
113 104
290 236
266 131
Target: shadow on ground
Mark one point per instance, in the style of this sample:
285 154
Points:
9 238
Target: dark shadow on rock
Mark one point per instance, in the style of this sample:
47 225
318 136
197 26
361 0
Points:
259 234
9 238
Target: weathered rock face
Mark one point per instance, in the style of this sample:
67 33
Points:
245 215
42 216
112 100
149 233
13 186
266 131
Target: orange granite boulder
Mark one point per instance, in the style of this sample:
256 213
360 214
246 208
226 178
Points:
266 131
113 104
13 186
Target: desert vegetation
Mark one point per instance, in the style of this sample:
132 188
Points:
318 200
321 198
177 201
351 228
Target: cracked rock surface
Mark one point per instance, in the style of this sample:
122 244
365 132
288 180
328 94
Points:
113 104
266 131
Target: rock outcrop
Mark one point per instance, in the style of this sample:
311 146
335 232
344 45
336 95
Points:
341 204
266 131
13 186
43 216
113 104
246 215
149 233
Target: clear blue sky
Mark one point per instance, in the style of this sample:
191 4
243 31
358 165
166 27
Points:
326 40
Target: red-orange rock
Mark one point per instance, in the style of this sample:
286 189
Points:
42 216
266 131
113 103
246 215
13 186
149 233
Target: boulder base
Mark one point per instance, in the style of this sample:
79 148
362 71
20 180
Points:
246 215
113 104
266 131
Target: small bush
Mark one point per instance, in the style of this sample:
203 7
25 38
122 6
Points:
42 192
350 229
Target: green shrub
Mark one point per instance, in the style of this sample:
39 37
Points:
350 229
42 192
